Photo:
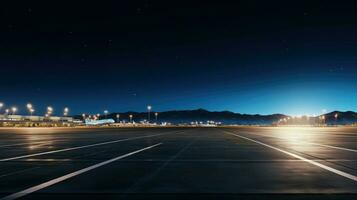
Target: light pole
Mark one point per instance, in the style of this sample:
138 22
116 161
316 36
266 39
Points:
105 113
31 111
336 117
13 109
149 109
1 105
49 110
84 116
7 111
131 118
156 114
29 108
118 117
65 111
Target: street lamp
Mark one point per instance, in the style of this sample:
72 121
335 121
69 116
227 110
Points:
31 111
49 110
7 111
1 105
118 117
13 109
29 108
105 113
84 116
65 111
156 114
131 118
149 109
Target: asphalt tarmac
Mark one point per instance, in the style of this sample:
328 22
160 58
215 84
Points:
178 163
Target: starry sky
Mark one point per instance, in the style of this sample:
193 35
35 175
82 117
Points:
291 57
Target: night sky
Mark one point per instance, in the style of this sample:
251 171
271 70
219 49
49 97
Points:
244 56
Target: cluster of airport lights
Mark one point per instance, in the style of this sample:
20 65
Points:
31 110
321 118
106 112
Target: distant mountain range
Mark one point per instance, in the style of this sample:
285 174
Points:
200 115
226 117
343 118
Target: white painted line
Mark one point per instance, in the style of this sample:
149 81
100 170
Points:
68 176
333 170
313 143
333 147
80 147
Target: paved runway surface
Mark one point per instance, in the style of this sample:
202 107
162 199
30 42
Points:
178 163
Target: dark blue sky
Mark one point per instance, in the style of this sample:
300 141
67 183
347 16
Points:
248 56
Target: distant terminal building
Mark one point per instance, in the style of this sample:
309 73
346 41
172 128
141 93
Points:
34 121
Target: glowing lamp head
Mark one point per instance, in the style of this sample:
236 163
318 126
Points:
29 106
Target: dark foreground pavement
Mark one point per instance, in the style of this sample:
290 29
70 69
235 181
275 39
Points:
178 163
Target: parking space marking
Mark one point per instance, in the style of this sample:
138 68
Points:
333 170
82 147
71 175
